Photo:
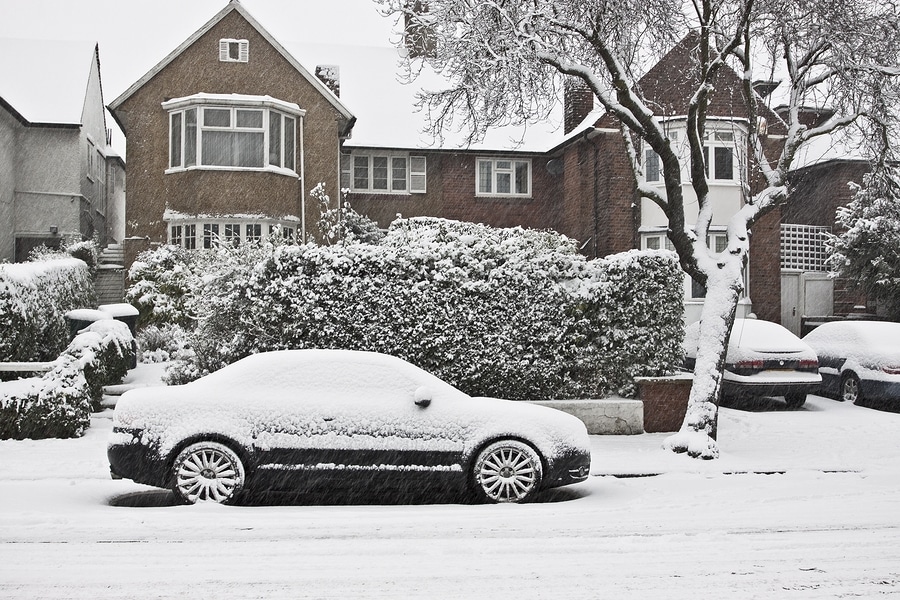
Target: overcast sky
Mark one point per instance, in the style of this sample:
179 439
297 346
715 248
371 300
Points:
134 35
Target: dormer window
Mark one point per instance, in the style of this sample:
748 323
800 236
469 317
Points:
234 50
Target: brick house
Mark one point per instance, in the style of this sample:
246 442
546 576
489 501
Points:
59 177
224 135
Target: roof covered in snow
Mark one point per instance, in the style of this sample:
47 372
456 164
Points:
45 82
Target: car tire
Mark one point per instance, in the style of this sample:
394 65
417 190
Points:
208 472
850 390
507 471
795 399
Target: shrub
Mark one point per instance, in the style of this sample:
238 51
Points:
34 298
162 343
503 312
59 404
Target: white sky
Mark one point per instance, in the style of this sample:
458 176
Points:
134 35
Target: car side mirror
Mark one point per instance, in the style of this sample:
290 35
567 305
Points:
423 397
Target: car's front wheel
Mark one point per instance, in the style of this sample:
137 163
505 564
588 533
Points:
507 471
850 391
208 471
795 399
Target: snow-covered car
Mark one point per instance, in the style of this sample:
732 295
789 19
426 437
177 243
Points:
763 359
859 360
299 419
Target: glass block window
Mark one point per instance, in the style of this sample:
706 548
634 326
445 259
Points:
803 247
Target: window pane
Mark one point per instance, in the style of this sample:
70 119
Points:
234 50
720 241
289 143
217 117
522 177
248 150
724 163
250 118
217 148
275 139
398 174
210 234
503 165
503 183
174 141
651 166
361 172
232 233
190 237
176 235
653 243
379 173
190 137
484 177
253 232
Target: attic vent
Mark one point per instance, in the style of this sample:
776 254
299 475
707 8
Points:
234 50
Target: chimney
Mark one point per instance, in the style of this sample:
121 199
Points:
578 102
330 75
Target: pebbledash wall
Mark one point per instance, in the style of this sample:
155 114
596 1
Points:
198 69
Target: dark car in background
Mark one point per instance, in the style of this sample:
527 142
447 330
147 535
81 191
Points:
763 359
859 361
296 420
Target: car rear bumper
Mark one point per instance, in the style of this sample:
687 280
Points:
742 388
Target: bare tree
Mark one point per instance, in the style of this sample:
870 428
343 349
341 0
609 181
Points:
506 62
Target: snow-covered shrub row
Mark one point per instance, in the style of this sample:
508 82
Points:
59 404
34 298
502 312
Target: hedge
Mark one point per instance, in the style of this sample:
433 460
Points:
497 312
59 404
34 298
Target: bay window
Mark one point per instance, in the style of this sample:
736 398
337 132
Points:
216 131
207 232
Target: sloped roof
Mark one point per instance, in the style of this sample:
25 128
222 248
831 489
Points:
385 106
45 82
234 5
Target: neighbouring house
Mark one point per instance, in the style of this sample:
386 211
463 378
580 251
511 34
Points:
820 184
226 136
60 179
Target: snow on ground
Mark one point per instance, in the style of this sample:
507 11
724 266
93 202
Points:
801 504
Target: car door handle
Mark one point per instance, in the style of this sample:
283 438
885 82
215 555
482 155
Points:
328 419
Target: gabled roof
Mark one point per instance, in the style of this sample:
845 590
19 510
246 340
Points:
45 82
235 6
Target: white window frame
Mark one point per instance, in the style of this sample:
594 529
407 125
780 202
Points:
207 233
413 180
718 140
186 142
499 169
226 45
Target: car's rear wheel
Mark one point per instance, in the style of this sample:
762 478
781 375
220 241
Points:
850 390
507 471
795 399
208 471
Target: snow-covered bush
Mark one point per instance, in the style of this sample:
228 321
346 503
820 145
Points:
868 251
34 298
502 312
162 343
343 224
162 280
59 404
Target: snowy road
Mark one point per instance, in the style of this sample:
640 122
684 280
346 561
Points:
66 531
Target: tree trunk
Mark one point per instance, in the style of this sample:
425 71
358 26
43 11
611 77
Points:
697 436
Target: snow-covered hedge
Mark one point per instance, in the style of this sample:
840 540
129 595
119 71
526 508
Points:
59 404
34 298
497 312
